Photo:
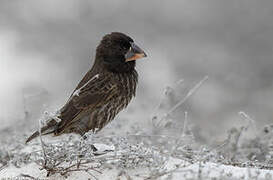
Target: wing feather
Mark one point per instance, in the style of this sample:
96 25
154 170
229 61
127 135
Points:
92 94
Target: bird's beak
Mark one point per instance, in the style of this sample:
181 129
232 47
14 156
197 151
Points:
134 53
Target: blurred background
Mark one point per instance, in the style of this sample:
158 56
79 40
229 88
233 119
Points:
46 47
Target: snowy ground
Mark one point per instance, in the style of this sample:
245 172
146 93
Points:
174 169
138 156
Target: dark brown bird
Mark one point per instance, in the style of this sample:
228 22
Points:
103 92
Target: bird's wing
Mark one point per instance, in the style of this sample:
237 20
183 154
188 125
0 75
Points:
94 93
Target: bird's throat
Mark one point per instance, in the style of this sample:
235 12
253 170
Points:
120 67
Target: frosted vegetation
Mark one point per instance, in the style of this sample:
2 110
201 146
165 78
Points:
169 148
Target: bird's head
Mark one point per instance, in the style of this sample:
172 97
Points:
118 52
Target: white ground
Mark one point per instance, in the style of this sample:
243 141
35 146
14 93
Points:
190 171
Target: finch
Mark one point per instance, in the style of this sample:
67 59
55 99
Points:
103 92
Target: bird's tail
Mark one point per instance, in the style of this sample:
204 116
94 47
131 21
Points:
48 129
